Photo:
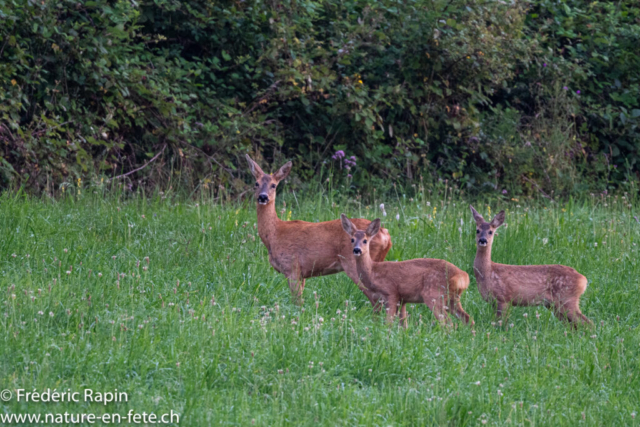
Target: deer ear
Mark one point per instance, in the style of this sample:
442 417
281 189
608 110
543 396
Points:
479 219
347 225
283 172
373 228
498 220
255 169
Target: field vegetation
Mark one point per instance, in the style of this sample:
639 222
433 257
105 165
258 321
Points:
172 300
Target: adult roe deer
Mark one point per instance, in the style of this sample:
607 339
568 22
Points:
558 286
300 249
434 282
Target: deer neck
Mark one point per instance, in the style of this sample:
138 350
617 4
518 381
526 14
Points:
364 264
267 222
482 263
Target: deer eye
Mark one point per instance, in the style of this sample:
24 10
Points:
477 231
273 186
352 240
490 232
257 185
364 241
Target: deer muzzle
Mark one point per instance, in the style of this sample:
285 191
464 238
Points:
263 199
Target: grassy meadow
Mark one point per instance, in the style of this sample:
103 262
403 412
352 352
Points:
173 301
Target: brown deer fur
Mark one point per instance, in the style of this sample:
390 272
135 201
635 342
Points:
434 282
300 249
554 286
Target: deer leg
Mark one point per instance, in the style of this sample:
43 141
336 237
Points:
501 308
456 308
436 304
403 315
391 304
570 312
296 285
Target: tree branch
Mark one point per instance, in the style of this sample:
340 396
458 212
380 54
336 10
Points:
141 167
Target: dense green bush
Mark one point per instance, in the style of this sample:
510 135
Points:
470 91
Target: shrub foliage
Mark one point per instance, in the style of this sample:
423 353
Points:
537 96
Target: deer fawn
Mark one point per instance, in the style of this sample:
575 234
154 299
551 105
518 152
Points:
434 282
554 286
300 249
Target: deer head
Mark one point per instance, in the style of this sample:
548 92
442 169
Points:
360 239
485 231
265 186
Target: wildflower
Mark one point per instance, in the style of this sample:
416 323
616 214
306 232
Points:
544 65
565 88
578 92
99 274
397 217
40 313
51 314
477 383
178 364
504 191
525 315
545 241
68 272
595 244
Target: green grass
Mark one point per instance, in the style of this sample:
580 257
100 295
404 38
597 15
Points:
82 308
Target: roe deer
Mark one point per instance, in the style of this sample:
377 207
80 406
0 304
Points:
300 249
434 282
556 286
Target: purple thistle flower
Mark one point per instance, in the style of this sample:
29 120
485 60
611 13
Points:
349 175
578 91
504 191
565 88
353 158
544 65
340 154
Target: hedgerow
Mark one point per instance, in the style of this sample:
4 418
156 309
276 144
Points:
516 97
